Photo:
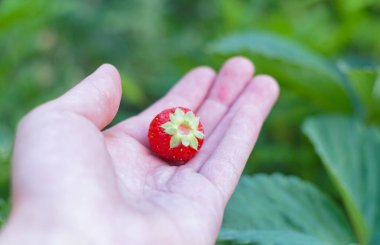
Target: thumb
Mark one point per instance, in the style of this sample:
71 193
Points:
97 97
59 149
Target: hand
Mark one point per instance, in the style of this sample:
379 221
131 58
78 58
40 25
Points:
73 183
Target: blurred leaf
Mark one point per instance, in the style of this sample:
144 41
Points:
349 6
5 154
268 237
363 81
366 84
285 205
350 153
4 210
294 66
133 93
5 141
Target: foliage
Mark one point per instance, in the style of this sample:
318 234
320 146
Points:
282 210
350 154
266 205
299 69
347 148
4 210
323 53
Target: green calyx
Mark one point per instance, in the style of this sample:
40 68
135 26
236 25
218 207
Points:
183 128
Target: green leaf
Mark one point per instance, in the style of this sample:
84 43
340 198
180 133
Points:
133 93
366 84
6 138
350 153
348 7
275 204
268 237
4 210
291 64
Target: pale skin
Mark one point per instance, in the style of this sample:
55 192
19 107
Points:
75 183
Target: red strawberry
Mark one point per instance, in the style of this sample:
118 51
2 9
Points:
176 135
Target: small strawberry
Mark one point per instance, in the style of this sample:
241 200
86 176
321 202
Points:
176 135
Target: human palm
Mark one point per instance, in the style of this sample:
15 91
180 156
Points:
75 183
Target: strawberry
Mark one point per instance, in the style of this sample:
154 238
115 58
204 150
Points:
176 135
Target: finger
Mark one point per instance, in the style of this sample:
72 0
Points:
230 82
189 92
237 138
59 149
97 97
258 92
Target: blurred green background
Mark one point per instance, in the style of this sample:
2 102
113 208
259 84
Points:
324 53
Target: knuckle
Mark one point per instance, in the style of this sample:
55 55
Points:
39 113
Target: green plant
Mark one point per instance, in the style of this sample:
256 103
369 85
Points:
4 210
278 209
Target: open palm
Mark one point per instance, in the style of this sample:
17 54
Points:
76 184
